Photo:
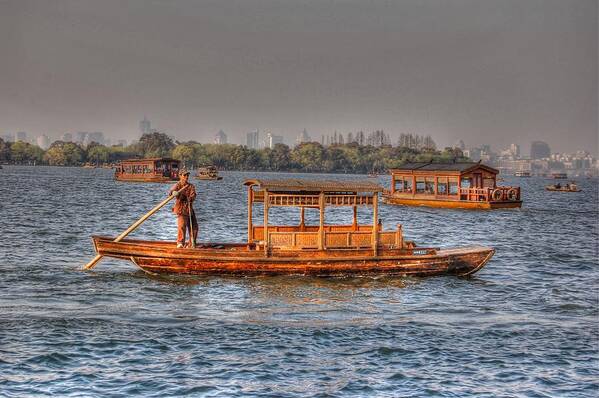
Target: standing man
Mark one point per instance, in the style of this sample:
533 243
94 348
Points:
186 217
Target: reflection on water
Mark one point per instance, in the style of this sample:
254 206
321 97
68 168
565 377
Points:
525 325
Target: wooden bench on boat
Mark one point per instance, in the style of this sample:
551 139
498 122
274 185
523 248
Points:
303 249
466 185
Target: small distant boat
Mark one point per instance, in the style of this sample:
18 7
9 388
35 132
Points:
522 173
208 173
563 188
147 170
559 176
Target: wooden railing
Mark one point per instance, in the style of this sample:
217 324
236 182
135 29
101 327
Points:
278 199
335 237
498 194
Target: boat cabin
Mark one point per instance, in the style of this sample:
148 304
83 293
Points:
317 195
148 170
454 185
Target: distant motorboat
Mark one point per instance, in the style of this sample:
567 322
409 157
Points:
571 187
208 173
522 173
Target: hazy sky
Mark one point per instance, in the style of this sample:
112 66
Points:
480 70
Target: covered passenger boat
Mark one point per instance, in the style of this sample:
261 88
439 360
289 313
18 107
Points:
148 170
323 249
465 185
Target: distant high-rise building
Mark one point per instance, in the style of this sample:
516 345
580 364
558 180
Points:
67 137
8 137
43 141
121 142
97 137
539 150
271 140
515 150
460 145
303 137
80 137
253 139
145 126
21 136
220 137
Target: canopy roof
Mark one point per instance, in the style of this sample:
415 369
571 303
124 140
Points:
460 167
149 160
304 185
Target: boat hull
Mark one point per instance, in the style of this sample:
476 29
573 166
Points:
452 204
159 179
241 259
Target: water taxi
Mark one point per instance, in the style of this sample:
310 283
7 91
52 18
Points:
208 173
466 185
322 250
147 170
571 187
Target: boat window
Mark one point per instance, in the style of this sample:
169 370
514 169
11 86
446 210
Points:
453 185
466 182
429 185
399 185
442 186
420 185
407 184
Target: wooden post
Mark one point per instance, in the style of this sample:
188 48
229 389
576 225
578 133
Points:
321 223
250 215
392 183
413 185
355 221
265 227
375 216
302 222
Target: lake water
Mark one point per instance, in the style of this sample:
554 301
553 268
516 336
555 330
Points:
526 325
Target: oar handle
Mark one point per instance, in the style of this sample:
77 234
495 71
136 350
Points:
136 224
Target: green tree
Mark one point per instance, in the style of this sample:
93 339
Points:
24 152
98 154
155 145
184 153
64 154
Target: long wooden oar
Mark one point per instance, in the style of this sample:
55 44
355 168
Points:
136 224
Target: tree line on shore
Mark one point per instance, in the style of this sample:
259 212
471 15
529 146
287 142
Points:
308 156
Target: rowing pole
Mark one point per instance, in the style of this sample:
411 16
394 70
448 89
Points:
136 224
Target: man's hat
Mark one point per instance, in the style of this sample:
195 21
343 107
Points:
184 172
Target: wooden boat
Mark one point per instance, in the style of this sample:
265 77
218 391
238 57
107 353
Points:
464 185
522 173
322 249
147 170
208 173
563 188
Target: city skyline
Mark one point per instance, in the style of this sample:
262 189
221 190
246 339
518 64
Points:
145 126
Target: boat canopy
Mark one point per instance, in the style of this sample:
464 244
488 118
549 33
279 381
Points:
457 167
315 194
317 186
